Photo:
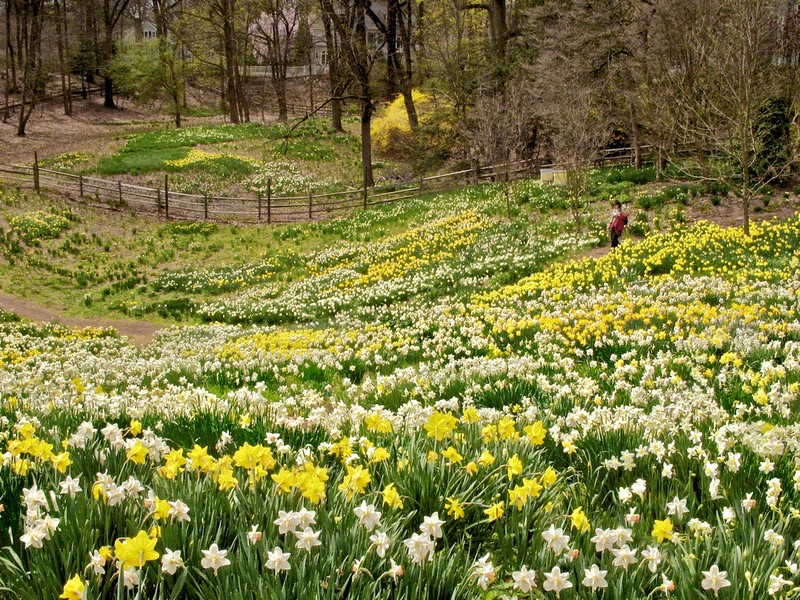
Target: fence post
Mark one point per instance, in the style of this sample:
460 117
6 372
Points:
205 206
269 200
158 200
80 185
365 196
258 201
36 171
310 205
166 196
419 189
477 171
119 192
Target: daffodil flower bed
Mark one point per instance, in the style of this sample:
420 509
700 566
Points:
616 428
38 225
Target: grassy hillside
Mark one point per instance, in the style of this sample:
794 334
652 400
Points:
463 411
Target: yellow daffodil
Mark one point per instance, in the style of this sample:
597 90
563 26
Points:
579 520
513 467
454 508
136 551
73 589
495 511
440 425
391 497
536 433
662 530
452 455
137 453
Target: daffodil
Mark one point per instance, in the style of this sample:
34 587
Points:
73 589
136 551
662 530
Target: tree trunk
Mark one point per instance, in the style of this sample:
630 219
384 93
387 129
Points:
405 24
392 62
30 22
636 141
231 77
61 22
746 185
241 84
279 86
108 93
334 76
108 84
11 59
498 29
411 109
366 138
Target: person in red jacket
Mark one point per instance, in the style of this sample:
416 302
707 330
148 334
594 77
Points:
619 218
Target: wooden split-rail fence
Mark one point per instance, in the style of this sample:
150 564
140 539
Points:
266 208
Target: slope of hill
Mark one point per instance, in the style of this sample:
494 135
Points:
423 401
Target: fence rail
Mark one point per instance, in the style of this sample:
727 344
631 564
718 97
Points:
162 202
75 90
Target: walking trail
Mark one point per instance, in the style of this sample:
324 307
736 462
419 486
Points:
140 333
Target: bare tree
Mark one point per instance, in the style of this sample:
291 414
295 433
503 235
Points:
716 72
600 44
273 34
499 127
397 27
348 21
29 24
60 9
112 11
579 127
337 78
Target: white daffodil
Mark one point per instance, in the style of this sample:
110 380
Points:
556 581
278 560
524 579
171 561
381 542
714 579
214 558
595 578
307 539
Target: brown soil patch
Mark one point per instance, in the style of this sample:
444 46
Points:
140 333
51 133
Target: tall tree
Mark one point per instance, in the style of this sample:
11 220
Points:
112 11
337 77
274 32
716 68
451 60
348 21
60 10
225 11
29 20
600 45
152 70
396 28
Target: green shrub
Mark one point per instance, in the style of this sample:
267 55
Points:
631 174
718 188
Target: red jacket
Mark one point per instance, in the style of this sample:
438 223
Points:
618 223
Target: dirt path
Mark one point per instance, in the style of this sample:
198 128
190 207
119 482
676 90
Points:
141 333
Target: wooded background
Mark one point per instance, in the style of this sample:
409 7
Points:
712 84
